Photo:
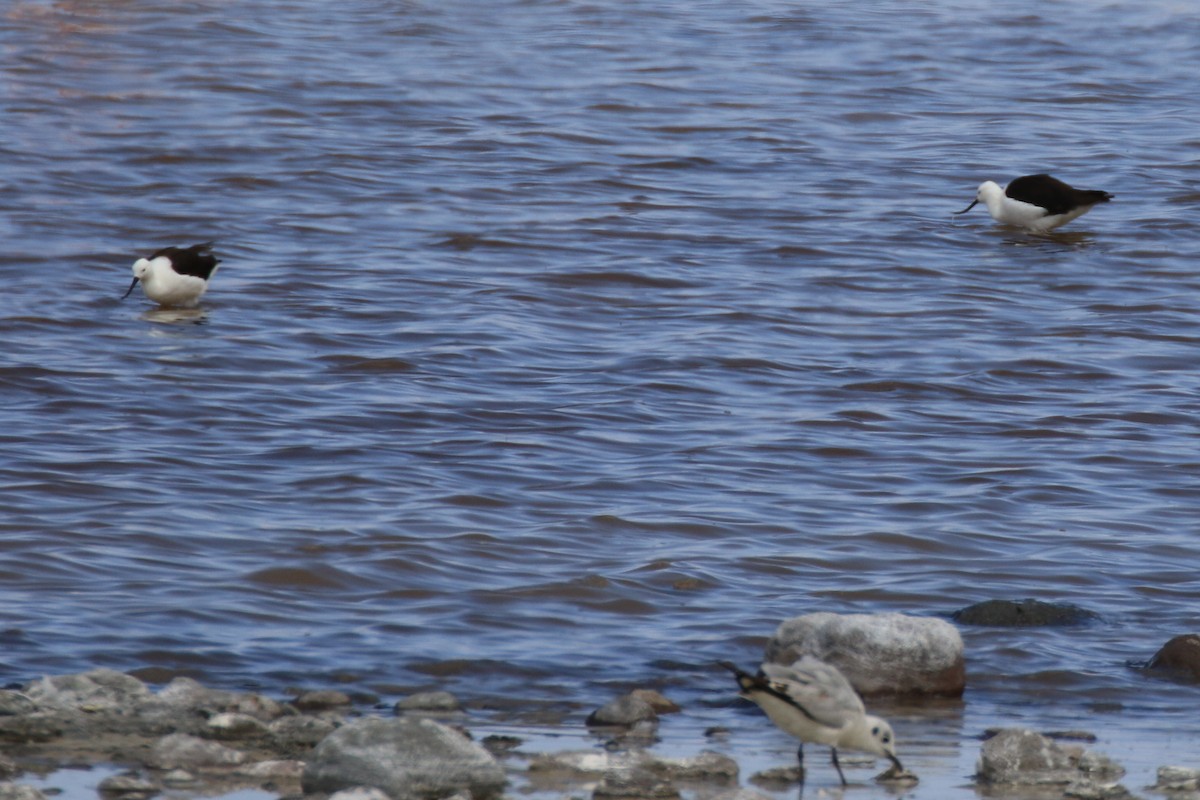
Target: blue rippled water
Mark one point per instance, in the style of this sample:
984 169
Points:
564 346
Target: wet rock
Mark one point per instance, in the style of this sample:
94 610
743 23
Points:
657 701
635 785
705 766
438 702
1023 757
1180 656
301 731
15 704
229 726
185 693
624 710
777 778
30 729
1093 790
1177 779
499 744
19 791
192 752
322 700
1023 613
258 706
128 786
409 757
878 653
99 689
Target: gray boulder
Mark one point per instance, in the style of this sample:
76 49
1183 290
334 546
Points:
186 693
20 791
191 752
1017 756
1177 779
408 758
90 691
878 653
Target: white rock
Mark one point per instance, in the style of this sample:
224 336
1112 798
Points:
878 653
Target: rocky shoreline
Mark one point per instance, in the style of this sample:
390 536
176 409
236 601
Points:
186 739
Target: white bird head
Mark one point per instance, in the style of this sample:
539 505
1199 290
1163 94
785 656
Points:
877 738
988 192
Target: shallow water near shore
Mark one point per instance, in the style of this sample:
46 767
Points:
561 348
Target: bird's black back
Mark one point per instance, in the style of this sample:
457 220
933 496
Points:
197 260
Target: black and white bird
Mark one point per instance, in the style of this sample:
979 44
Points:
175 276
1037 203
813 701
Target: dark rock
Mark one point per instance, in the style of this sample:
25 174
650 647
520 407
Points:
408 757
878 653
1023 613
498 744
625 710
1181 655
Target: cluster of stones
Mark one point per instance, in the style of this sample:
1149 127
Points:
187 736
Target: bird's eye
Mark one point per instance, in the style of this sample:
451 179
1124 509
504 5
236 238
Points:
886 738
875 731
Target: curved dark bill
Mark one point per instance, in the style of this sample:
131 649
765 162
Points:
896 761
135 280
968 208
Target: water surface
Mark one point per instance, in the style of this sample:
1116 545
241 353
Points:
561 347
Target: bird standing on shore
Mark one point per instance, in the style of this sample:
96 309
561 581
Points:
1037 203
175 276
813 701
